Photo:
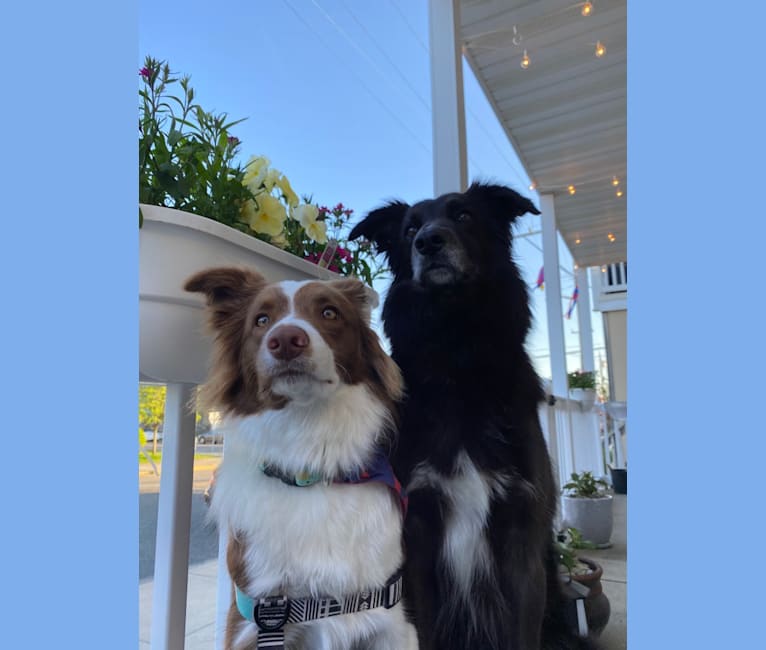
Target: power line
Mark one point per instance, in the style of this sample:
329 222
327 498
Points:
361 50
358 78
475 117
402 76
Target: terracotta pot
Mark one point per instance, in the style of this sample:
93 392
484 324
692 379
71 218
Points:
597 608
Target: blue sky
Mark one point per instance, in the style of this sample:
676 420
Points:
337 94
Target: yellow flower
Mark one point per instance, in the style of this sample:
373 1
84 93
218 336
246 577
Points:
305 214
284 185
279 240
255 172
271 178
317 231
268 218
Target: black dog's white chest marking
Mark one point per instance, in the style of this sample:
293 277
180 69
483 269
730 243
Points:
468 492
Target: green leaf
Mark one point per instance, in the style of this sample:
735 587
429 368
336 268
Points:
174 137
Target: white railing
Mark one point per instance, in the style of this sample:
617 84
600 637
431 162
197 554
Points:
614 278
577 438
610 286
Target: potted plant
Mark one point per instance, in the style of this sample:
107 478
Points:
584 572
582 387
199 207
587 506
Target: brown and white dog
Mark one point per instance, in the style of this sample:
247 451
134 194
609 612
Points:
307 391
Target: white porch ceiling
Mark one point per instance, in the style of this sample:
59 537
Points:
566 113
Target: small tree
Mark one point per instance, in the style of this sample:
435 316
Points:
151 408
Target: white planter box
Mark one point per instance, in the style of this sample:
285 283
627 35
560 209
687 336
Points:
173 245
586 397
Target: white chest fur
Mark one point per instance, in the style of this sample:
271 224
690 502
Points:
468 492
319 540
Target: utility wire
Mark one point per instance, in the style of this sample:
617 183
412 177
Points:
380 49
361 50
471 112
361 81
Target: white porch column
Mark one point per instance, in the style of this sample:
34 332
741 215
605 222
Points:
553 296
171 558
564 449
447 109
587 360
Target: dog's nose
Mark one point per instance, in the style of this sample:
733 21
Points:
287 342
430 240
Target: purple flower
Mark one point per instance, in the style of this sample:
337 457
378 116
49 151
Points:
146 73
233 141
343 254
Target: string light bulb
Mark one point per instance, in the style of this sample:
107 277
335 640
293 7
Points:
533 185
587 8
571 189
618 193
600 49
615 181
524 61
610 236
578 241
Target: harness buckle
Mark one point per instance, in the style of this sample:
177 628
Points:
271 614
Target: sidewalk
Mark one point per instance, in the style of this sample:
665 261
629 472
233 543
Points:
201 596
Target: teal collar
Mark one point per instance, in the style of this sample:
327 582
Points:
301 479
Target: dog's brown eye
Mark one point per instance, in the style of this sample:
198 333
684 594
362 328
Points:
464 216
261 320
330 313
412 231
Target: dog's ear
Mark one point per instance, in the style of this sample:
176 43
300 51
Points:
228 291
382 226
503 202
226 288
364 297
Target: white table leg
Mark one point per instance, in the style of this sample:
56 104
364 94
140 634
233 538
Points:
171 558
223 594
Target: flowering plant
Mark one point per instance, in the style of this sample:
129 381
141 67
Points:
187 160
581 379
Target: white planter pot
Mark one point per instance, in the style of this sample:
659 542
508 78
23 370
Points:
586 397
173 245
592 517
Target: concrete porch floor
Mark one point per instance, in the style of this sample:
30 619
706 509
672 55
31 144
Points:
201 606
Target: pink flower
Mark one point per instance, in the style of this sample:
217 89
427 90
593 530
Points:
348 213
312 257
146 73
334 268
338 208
233 141
344 254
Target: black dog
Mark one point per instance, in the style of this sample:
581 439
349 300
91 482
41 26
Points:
481 571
